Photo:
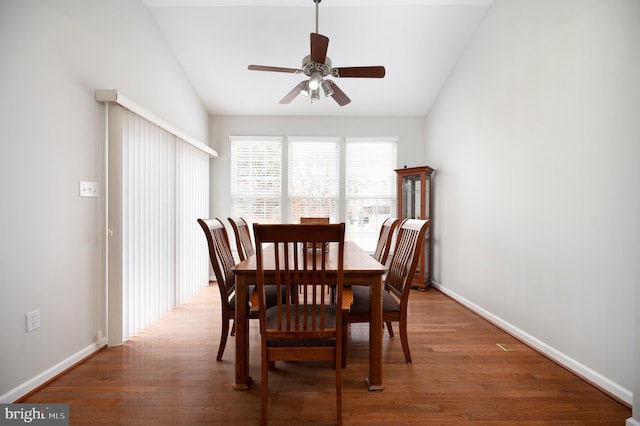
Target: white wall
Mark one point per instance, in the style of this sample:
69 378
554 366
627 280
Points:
55 54
536 139
636 371
410 131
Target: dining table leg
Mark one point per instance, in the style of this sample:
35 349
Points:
374 381
242 380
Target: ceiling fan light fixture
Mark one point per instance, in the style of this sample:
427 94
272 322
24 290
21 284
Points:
315 95
305 89
326 88
315 80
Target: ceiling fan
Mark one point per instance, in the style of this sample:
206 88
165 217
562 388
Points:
317 66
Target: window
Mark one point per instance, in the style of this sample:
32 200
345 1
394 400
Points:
314 182
370 188
256 179
350 180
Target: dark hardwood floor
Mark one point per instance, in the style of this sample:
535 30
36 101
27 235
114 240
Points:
168 375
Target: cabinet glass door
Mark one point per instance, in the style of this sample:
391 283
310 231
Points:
411 197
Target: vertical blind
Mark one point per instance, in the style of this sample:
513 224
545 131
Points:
158 186
148 222
192 202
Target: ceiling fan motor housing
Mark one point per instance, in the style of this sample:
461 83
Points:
308 66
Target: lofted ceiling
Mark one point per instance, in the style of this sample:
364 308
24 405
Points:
417 41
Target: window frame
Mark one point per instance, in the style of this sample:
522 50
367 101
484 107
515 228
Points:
343 196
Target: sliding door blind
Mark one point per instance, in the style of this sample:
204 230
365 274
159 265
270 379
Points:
192 202
158 186
148 223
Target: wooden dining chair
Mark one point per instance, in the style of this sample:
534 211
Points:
222 261
243 237
397 285
302 325
322 219
385 238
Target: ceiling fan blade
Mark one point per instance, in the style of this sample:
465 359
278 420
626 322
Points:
319 46
338 95
292 94
274 69
362 72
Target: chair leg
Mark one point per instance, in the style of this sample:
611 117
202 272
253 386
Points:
345 337
404 340
223 338
339 395
233 328
264 391
390 328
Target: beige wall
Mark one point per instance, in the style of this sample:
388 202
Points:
536 139
55 54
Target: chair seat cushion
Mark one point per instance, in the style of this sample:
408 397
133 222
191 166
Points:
330 322
362 301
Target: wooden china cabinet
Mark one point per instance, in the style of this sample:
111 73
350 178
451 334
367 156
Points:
415 200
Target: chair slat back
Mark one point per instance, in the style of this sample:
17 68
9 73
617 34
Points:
384 239
243 237
303 261
220 255
406 255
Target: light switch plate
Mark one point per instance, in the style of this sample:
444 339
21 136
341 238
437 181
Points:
89 189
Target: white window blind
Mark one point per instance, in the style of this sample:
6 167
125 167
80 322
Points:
349 180
314 178
256 179
370 188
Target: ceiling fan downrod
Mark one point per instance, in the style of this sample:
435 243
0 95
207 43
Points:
317 2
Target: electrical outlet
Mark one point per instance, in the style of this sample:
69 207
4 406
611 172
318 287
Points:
33 320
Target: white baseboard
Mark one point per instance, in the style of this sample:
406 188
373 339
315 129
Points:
632 422
580 369
33 383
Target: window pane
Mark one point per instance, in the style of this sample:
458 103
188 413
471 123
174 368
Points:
370 189
263 210
364 219
314 179
314 207
256 179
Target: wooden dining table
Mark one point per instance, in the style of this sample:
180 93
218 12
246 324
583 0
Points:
359 268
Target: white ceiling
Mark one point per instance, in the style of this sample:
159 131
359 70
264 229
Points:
417 41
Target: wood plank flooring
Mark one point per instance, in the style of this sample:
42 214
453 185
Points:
168 375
